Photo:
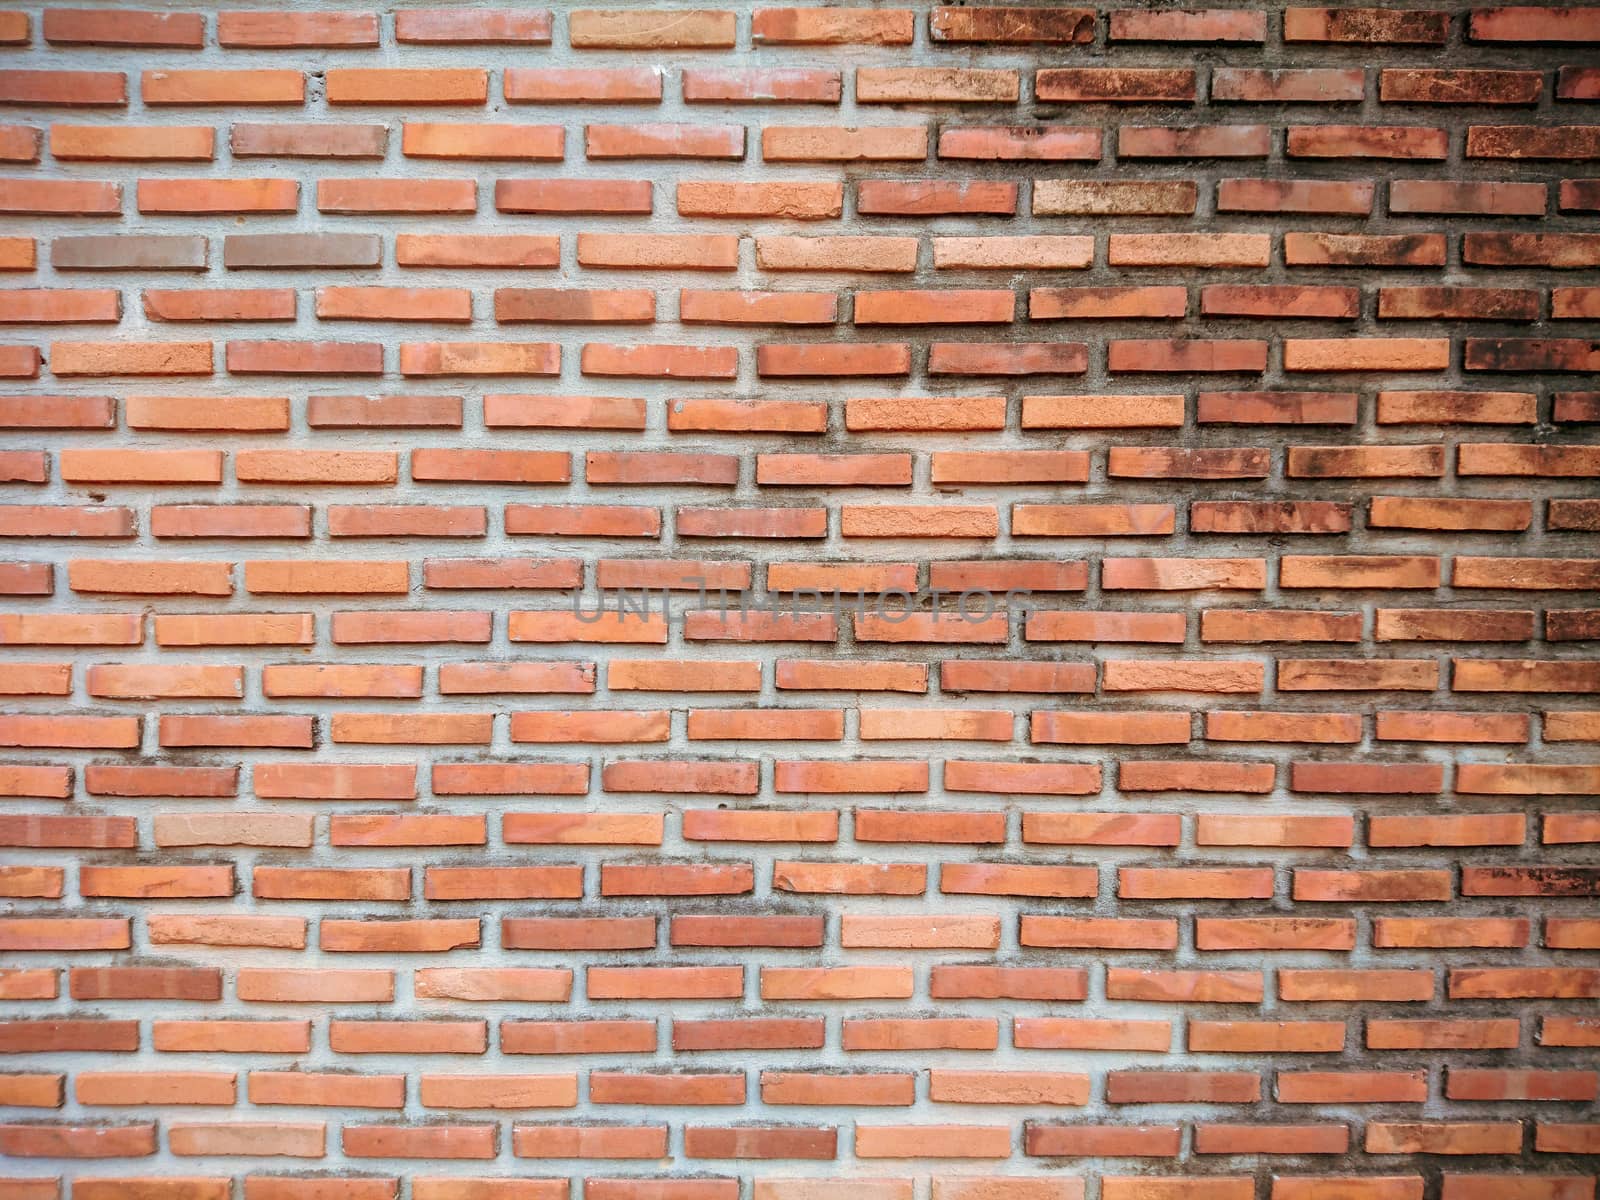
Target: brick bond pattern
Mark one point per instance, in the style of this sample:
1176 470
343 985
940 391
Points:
1251 854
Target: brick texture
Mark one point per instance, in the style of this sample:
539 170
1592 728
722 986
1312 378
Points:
1113 711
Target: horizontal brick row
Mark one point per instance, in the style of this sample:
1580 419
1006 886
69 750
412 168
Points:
291 521
826 254
528 141
1374 572
694 362
809 201
398 781
621 415
887 1089
1456 1185
556 626
719 29
1378 885
706 306
62 142
1167 85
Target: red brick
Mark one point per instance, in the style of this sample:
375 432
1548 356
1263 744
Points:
212 87
440 26
830 26
1531 141
1065 1033
583 86
1367 141
822 143
1012 25
204 197
874 254
132 1140
1056 143
924 197
221 304
304 358
1531 24
1309 196
383 196
308 141
370 85
656 361
799 200
72 88
664 141
1279 301
796 85
1116 85
1302 85
1498 199
92 199
912 85
467 250
79 26
591 29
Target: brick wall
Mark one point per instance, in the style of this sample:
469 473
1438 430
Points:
1247 852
